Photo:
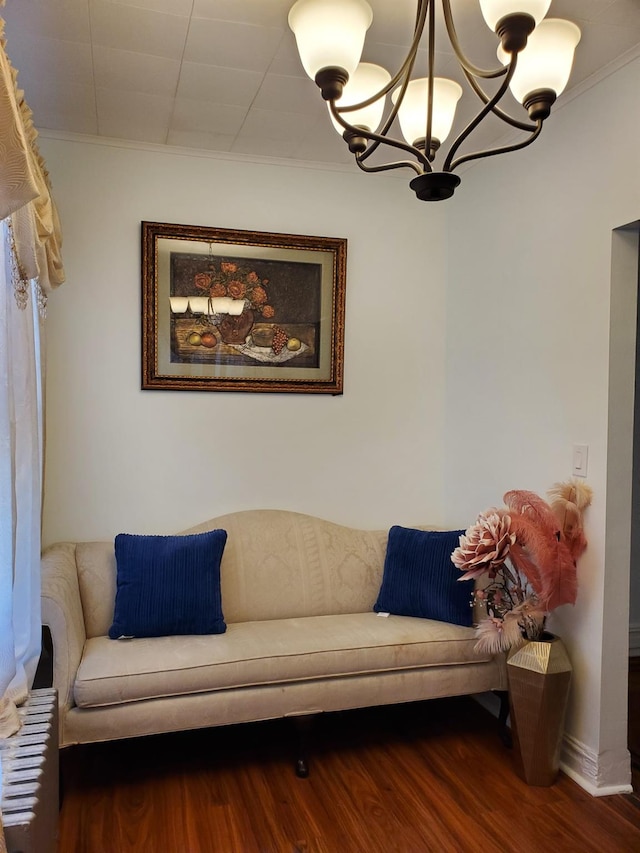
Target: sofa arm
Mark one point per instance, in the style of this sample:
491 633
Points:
62 613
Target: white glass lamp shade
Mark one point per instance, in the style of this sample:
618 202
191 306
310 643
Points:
495 10
179 304
413 110
330 33
546 61
365 81
236 307
218 305
198 304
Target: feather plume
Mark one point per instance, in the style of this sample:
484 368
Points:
533 507
490 637
533 552
524 565
562 584
568 501
544 560
573 491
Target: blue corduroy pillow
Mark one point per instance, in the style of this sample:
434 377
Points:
168 585
419 578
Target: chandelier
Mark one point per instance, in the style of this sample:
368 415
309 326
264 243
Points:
535 56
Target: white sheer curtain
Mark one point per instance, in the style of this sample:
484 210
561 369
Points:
30 267
20 486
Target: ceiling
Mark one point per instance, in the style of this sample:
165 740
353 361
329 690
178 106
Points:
224 75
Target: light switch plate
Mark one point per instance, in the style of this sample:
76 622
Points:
580 459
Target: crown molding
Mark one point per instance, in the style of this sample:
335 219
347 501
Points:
202 153
599 76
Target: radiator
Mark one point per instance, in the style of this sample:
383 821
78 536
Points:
30 799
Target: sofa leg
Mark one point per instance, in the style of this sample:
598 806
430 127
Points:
503 714
304 726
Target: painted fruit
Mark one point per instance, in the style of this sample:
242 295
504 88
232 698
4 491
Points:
293 344
208 339
195 339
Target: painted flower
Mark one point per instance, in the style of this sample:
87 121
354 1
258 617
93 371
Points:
268 312
237 289
238 282
259 295
202 280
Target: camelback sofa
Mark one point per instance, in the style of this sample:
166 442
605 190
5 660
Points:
301 638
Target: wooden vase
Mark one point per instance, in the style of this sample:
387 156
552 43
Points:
539 676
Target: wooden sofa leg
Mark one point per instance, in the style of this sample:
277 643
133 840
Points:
304 725
503 714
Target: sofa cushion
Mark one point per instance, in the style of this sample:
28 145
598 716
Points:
270 652
168 585
419 578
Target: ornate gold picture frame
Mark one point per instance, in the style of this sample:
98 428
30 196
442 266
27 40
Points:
229 310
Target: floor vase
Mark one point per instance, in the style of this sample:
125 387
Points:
539 676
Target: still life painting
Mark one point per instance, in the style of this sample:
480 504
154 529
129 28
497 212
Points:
238 310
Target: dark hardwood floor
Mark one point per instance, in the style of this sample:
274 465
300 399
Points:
433 776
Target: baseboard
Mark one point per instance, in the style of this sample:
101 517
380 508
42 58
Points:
583 766
577 761
634 639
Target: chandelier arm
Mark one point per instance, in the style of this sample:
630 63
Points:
407 66
431 55
375 144
514 122
398 164
377 139
488 107
504 150
336 111
405 69
403 88
466 64
357 130
403 73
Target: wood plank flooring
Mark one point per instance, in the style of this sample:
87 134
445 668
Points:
431 776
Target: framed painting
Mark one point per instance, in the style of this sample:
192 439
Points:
228 310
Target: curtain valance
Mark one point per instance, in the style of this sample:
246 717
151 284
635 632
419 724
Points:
25 190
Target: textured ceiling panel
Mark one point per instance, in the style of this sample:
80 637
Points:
224 75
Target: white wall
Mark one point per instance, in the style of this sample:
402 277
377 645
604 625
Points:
634 597
526 299
528 363
122 459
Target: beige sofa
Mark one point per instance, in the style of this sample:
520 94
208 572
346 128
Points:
297 595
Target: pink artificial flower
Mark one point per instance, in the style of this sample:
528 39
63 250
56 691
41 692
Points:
484 546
